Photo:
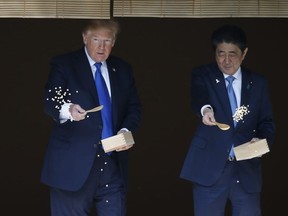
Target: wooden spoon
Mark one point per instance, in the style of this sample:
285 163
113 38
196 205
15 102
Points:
95 109
222 126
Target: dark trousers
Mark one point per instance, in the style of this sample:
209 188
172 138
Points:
211 201
103 190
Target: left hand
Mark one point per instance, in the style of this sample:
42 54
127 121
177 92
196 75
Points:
254 140
124 148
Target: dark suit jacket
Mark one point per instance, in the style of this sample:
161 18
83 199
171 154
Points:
210 146
72 145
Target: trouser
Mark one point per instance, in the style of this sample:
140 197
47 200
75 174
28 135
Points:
211 201
103 190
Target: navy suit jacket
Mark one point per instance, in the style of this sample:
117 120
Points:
72 145
210 146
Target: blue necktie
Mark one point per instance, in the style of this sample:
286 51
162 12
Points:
231 95
233 104
104 99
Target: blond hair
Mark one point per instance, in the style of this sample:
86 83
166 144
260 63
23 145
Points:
95 24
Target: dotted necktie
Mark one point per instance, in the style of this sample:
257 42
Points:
231 95
233 104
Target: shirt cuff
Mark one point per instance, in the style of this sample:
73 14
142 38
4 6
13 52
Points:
205 106
65 113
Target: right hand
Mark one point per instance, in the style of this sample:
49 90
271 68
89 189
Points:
77 112
208 117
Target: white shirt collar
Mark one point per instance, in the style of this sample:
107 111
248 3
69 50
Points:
237 75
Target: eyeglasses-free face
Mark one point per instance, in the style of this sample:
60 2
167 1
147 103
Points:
99 43
229 57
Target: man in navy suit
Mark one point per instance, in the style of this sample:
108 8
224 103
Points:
210 161
80 175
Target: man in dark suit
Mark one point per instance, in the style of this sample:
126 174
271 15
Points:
210 161
76 168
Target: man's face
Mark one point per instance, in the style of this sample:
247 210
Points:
99 43
229 57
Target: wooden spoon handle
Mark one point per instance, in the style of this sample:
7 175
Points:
95 109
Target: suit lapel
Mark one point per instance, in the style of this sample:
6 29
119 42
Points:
246 88
245 91
84 74
112 77
220 88
112 71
